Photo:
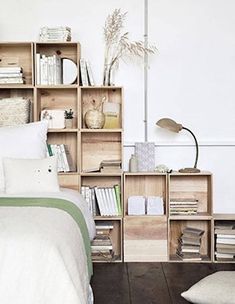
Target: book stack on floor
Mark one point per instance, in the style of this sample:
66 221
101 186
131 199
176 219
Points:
55 34
111 166
183 206
101 246
64 159
11 75
225 241
190 244
104 201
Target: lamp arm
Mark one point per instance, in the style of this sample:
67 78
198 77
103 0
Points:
196 144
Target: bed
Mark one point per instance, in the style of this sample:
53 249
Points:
45 248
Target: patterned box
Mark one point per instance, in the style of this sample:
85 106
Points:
145 153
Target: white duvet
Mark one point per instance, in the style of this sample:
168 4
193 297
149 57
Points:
42 256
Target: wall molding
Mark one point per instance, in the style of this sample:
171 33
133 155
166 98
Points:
188 144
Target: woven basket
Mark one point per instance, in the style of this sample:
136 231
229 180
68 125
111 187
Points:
14 111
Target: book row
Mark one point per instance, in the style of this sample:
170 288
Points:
104 201
64 159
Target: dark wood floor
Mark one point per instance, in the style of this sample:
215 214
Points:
148 283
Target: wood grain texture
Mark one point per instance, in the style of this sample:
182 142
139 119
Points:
145 238
18 54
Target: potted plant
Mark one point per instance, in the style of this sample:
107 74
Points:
68 115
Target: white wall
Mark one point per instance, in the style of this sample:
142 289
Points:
191 79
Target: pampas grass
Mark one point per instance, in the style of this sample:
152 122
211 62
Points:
118 45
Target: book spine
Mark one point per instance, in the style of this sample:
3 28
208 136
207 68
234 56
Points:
83 70
118 199
65 160
90 74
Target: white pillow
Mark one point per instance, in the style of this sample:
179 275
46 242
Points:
30 175
217 288
23 141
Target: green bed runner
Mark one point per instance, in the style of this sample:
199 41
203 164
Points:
65 205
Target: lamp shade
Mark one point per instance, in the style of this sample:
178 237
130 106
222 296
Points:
169 124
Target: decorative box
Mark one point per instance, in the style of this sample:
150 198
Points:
145 153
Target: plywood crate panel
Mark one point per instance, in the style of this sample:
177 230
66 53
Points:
145 238
197 187
18 54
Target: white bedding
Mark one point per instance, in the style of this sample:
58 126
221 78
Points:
42 256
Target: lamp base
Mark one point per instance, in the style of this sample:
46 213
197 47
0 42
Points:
189 170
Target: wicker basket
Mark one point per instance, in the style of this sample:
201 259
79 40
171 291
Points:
14 111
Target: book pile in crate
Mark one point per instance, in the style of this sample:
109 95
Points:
104 201
111 166
11 75
101 246
64 159
190 244
183 206
55 34
225 241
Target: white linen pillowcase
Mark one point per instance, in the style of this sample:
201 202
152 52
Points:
23 141
31 175
217 288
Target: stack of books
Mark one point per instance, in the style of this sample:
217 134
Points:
190 244
101 246
11 75
225 241
183 206
104 201
111 166
48 69
64 159
55 34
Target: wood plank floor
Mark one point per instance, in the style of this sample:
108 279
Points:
148 283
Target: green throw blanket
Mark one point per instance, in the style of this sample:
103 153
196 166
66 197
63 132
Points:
65 205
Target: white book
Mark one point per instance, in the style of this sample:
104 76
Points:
54 152
136 205
11 80
114 201
58 70
38 72
72 166
224 255
100 201
155 205
10 69
60 159
65 160
105 202
11 75
225 241
84 78
90 74
110 197
43 69
83 191
225 236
